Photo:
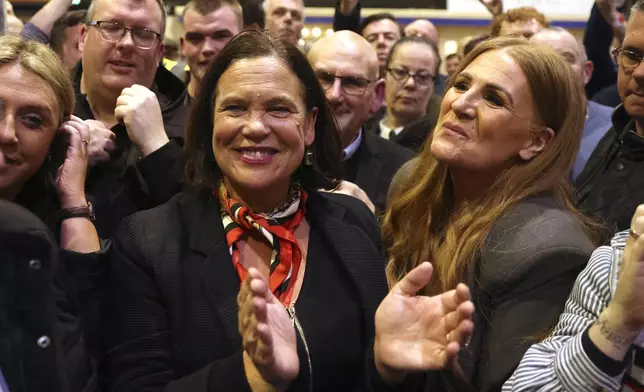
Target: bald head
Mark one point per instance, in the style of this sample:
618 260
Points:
423 28
349 46
564 43
347 67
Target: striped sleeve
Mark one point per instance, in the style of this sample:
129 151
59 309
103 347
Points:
560 363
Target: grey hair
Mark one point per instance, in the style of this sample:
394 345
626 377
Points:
164 14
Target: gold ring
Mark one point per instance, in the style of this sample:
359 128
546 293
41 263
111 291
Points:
634 234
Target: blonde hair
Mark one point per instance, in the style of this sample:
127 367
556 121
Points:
40 60
423 223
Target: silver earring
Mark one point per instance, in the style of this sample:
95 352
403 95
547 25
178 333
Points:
308 157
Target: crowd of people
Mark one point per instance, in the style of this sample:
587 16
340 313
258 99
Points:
166 220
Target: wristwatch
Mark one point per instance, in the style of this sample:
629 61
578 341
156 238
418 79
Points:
76 212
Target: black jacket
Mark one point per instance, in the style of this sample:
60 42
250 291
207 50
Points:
127 184
412 137
42 340
611 186
374 164
172 298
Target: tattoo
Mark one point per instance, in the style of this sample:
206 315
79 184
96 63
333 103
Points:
615 338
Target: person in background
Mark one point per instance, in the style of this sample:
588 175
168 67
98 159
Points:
347 68
43 162
409 83
171 50
598 117
382 31
611 185
285 19
473 43
254 15
12 23
423 28
522 21
605 26
489 203
452 63
135 108
208 26
65 37
40 25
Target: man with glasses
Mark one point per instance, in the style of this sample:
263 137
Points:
411 69
347 67
612 183
136 110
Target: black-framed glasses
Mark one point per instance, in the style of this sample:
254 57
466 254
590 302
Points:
627 59
351 85
114 32
422 79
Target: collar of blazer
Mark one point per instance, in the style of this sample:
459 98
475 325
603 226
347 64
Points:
344 229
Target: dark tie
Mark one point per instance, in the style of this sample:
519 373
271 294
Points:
392 135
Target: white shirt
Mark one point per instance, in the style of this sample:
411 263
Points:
385 131
353 147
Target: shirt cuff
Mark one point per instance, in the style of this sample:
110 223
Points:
606 364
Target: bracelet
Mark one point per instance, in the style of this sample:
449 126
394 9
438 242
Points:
76 212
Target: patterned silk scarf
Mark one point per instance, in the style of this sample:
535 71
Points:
278 227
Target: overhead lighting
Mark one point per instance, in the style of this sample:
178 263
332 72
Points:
329 32
316 32
306 32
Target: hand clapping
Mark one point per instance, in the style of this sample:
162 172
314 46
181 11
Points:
419 333
268 334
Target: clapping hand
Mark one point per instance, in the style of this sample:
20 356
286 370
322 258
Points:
418 333
268 335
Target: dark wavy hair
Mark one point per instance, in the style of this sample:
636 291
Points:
201 169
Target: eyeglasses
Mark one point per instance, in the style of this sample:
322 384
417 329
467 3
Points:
114 32
627 59
351 85
422 79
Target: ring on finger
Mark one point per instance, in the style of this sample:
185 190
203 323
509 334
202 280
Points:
634 233
447 337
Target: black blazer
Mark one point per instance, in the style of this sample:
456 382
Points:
412 137
520 284
172 293
376 162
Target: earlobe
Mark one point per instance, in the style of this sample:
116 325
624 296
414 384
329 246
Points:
309 126
539 142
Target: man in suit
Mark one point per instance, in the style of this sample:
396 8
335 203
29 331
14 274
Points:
285 19
347 67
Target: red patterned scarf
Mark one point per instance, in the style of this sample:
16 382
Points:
278 228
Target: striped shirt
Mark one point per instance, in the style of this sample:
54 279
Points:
561 363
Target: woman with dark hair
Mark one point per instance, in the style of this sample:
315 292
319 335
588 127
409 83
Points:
412 68
183 314
488 202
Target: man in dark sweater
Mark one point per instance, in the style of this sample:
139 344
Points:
347 67
612 185
136 110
